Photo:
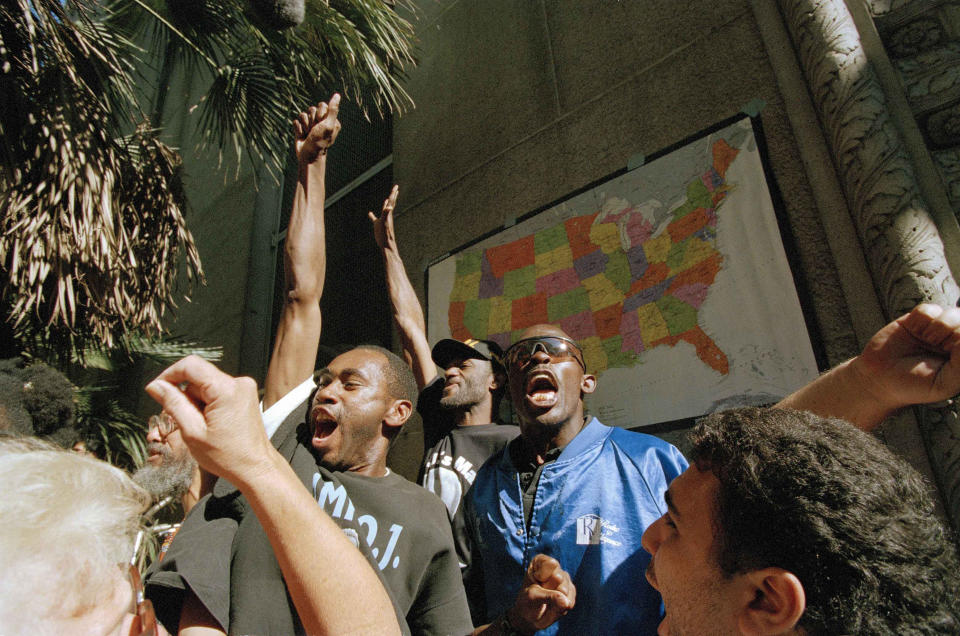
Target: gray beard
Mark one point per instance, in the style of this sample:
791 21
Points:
172 478
465 397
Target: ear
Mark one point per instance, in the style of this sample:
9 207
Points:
774 604
588 384
398 413
497 380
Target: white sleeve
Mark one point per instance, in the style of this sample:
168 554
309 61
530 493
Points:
274 416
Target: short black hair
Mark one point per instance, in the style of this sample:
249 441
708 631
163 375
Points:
400 381
835 507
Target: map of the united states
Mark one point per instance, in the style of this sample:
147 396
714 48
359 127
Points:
620 283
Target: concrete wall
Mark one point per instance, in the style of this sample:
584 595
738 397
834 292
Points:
221 218
521 101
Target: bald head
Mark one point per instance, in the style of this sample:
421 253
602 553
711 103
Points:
547 379
537 331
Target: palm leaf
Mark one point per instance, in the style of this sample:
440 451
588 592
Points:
121 434
93 207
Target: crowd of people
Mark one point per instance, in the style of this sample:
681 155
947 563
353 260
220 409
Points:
788 519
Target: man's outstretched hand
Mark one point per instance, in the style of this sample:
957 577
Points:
383 224
915 359
546 595
316 129
218 415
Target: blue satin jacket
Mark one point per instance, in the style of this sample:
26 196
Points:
591 508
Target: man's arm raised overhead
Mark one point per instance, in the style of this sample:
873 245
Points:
327 577
304 256
913 360
407 311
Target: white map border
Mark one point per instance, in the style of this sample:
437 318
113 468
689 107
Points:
752 311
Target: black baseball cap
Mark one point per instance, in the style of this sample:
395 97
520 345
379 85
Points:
449 349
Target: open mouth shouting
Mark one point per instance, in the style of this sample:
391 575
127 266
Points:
324 424
541 388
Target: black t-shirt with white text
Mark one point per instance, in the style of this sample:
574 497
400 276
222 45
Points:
452 458
226 560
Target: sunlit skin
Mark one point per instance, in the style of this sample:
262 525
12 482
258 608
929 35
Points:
683 569
467 388
697 597
349 411
161 448
114 616
548 394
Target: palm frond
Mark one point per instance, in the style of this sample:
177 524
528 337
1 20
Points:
163 351
257 77
92 201
166 351
121 434
92 227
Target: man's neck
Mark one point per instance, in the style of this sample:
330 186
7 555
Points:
200 485
376 469
479 413
373 463
538 440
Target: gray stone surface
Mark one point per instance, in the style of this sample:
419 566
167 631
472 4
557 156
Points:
631 80
473 91
596 45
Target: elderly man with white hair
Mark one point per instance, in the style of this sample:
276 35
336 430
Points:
69 525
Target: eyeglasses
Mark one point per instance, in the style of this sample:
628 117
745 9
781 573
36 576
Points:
557 347
163 423
145 620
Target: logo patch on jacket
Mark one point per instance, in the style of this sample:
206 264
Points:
593 530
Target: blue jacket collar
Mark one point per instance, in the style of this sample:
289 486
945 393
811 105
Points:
590 435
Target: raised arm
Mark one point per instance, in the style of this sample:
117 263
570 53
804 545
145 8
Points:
406 307
913 360
304 256
328 578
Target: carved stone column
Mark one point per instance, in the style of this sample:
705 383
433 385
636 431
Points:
922 41
901 243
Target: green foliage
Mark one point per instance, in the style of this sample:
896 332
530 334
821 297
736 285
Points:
92 204
113 432
116 433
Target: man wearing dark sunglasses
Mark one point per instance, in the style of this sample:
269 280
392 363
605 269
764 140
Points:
570 487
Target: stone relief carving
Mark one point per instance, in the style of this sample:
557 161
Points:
883 7
922 41
948 162
915 37
943 127
931 77
902 244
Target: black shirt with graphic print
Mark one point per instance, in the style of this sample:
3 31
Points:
224 556
453 455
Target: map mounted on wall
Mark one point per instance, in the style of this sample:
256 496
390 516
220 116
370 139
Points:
672 277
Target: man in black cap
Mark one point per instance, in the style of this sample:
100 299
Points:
460 430
459 404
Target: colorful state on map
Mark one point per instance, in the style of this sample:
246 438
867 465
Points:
619 285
